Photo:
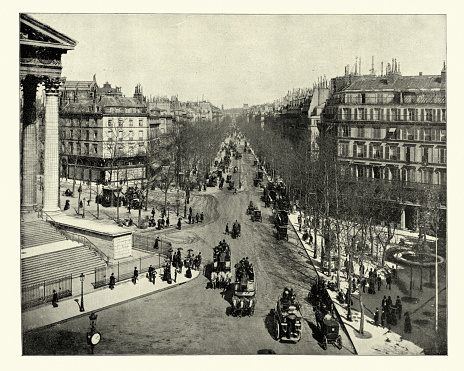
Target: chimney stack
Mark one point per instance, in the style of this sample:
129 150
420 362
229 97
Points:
443 73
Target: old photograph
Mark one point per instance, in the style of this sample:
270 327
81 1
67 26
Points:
233 184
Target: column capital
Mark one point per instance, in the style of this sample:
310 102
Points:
52 85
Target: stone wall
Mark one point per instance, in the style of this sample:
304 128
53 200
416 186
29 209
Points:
122 246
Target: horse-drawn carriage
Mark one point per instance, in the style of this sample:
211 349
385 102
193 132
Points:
244 298
329 329
287 318
251 208
256 215
236 230
221 269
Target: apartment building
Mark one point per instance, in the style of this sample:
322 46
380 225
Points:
391 128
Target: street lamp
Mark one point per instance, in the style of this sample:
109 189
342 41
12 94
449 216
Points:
81 305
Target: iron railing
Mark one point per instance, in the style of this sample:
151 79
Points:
76 237
42 292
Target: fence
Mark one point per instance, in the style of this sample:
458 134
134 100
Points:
40 293
125 270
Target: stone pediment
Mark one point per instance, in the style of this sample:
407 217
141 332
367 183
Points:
35 33
41 48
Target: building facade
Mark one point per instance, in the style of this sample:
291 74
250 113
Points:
391 128
103 134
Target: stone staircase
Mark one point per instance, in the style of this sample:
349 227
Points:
39 232
58 264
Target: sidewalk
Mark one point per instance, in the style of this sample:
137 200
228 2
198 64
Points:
376 340
97 300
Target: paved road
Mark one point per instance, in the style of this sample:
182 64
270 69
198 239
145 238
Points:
193 319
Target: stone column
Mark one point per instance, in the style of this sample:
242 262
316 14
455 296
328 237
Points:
52 164
29 145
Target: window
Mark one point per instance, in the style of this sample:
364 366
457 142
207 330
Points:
442 177
395 114
343 150
140 134
95 148
377 133
425 155
443 115
412 114
361 132
363 113
442 155
121 123
428 115
110 123
131 134
87 135
377 151
86 149
426 176
120 134
71 148
131 122
427 134
95 134
110 135
71 134
442 135
376 114
388 114
140 122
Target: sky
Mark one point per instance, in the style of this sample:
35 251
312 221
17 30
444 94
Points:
235 59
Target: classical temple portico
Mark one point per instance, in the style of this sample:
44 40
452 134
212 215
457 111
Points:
41 48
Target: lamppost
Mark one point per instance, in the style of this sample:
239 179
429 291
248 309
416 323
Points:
93 336
79 201
81 305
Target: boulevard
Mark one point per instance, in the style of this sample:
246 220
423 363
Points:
193 318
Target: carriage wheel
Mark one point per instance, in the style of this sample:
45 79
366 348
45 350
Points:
277 330
339 342
324 342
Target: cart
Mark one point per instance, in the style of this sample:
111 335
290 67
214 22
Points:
256 216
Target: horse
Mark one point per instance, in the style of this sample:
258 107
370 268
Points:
221 279
214 278
237 306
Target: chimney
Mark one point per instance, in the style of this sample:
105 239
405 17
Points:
381 68
360 65
420 73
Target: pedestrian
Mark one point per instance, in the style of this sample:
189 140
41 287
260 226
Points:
235 191
379 282
190 211
389 281
190 218
227 228
370 273
136 276
399 306
361 269
167 221
150 273
156 245
175 275
154 276
55 299
384 303
153 212
202 217
88 202
353 285
197 217
310 239
383 317
128 207
363 284
407 323
179 224
112 281
376 316
389 304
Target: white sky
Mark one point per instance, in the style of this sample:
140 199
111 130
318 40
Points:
236 59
